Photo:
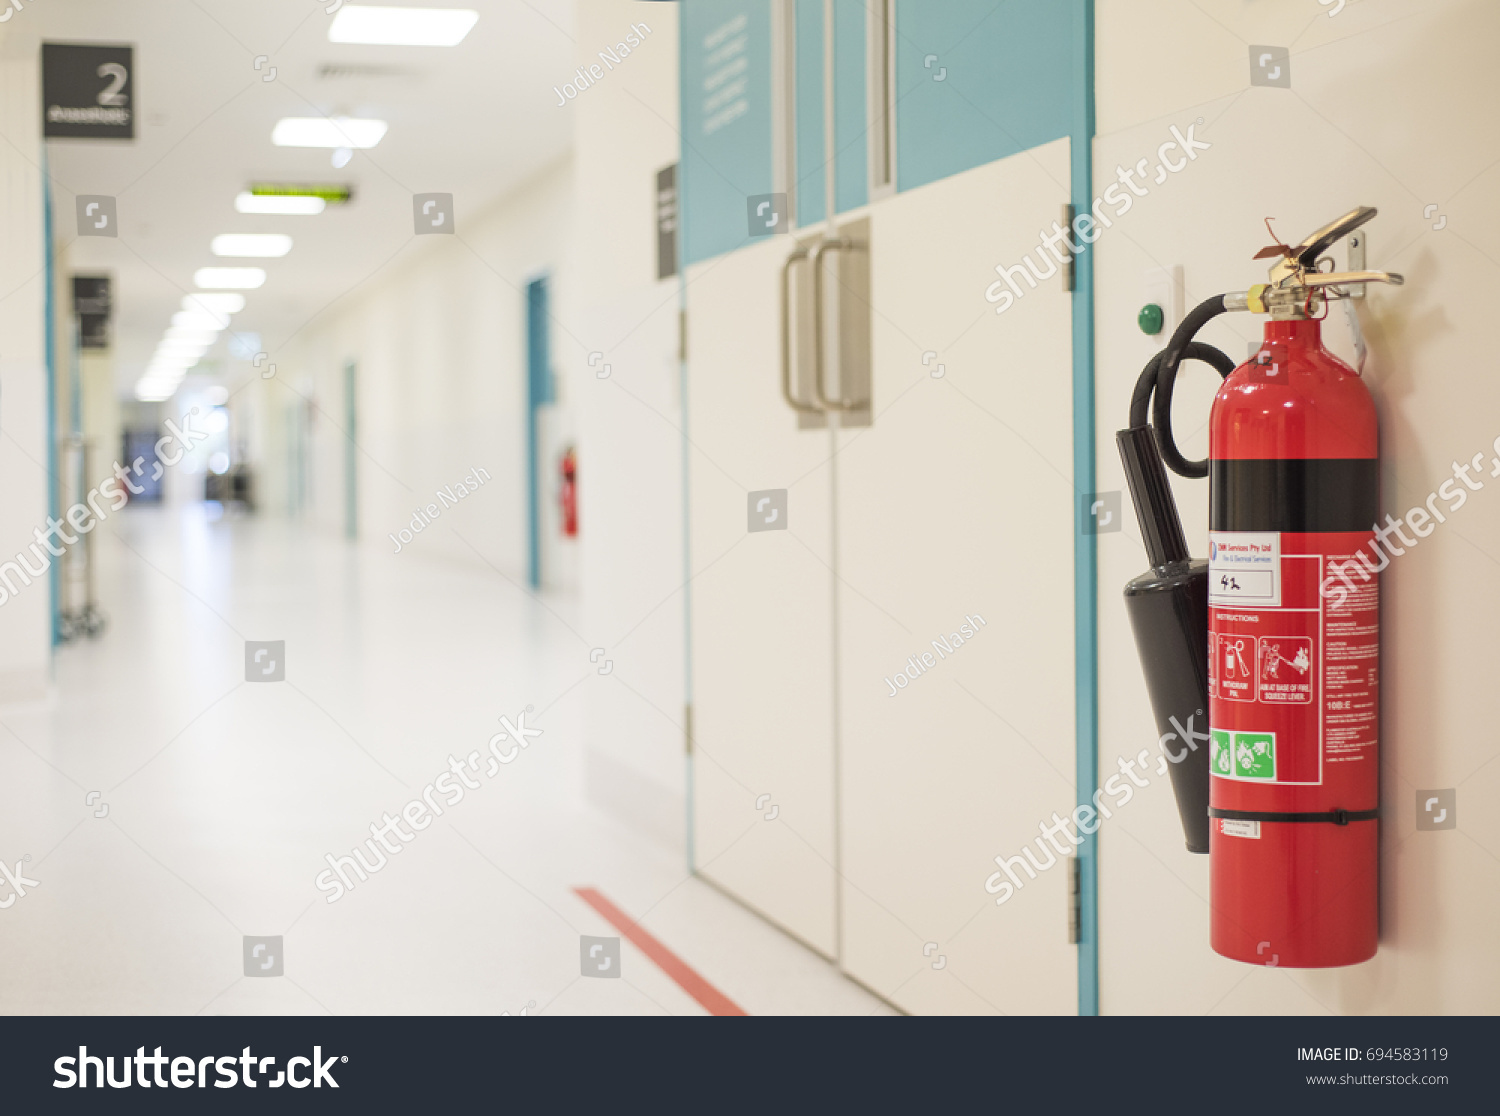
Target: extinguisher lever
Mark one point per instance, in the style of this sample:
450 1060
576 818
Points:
1348 278
1305 256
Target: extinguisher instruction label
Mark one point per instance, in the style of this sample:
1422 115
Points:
1350 684
1293 691
1244 568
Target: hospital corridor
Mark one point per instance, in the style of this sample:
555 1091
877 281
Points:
980 511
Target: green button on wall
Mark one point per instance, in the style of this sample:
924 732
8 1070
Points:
1150 318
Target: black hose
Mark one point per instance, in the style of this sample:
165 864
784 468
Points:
1140 399
1160 375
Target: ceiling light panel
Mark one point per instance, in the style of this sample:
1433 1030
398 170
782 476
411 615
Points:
229 278
252 245
324 131
213 303
372 26
278 206
200 319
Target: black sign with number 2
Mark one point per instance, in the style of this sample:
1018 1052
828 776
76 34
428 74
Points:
88 92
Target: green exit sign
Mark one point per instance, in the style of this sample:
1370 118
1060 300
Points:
333 195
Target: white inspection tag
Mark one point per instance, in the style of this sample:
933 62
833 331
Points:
1231 827
1244 568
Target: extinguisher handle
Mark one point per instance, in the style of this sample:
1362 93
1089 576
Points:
1348 278
1305 255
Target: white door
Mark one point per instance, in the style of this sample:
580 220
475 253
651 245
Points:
761 662
955 514
864 822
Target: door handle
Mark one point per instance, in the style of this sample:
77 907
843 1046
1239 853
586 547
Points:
839 244
798 256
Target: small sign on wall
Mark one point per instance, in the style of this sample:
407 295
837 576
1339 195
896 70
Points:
666 222
88 92
92 306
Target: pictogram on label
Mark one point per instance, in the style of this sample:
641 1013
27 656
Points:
1255 755
1233 673
1242 755
1286 669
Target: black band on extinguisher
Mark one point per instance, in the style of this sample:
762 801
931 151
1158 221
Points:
1334 817
1308 495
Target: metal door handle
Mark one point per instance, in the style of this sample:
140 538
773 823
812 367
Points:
792 401
840 244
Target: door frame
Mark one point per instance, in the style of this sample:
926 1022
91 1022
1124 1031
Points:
1085 552
539 392
351 449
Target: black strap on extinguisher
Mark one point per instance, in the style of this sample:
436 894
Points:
1335 817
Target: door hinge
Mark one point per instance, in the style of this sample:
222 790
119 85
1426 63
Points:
1075 898
1069 267
687 727
682 335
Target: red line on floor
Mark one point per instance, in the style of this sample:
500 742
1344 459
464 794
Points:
675 967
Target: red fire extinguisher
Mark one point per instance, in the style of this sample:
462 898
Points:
568 493
1282 790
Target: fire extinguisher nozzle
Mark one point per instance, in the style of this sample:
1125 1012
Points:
1168 609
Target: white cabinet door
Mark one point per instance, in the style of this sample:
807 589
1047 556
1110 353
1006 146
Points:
956 505
761 607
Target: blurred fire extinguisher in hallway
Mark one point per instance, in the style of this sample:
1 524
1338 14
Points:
568 493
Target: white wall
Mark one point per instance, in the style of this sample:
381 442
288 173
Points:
630 471
1392 104
25 660
439 342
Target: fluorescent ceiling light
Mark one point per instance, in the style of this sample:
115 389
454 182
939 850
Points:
357 23
181 346
229 278
278 205
322 131
247 245
217 304
199 319
189 334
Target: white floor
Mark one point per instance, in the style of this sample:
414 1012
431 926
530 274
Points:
223 797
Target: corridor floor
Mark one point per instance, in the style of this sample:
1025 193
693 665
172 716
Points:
218 800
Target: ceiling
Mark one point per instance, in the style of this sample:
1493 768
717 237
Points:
473 120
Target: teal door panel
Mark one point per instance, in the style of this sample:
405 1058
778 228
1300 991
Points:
850 106
812 183
1003 80
726 121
